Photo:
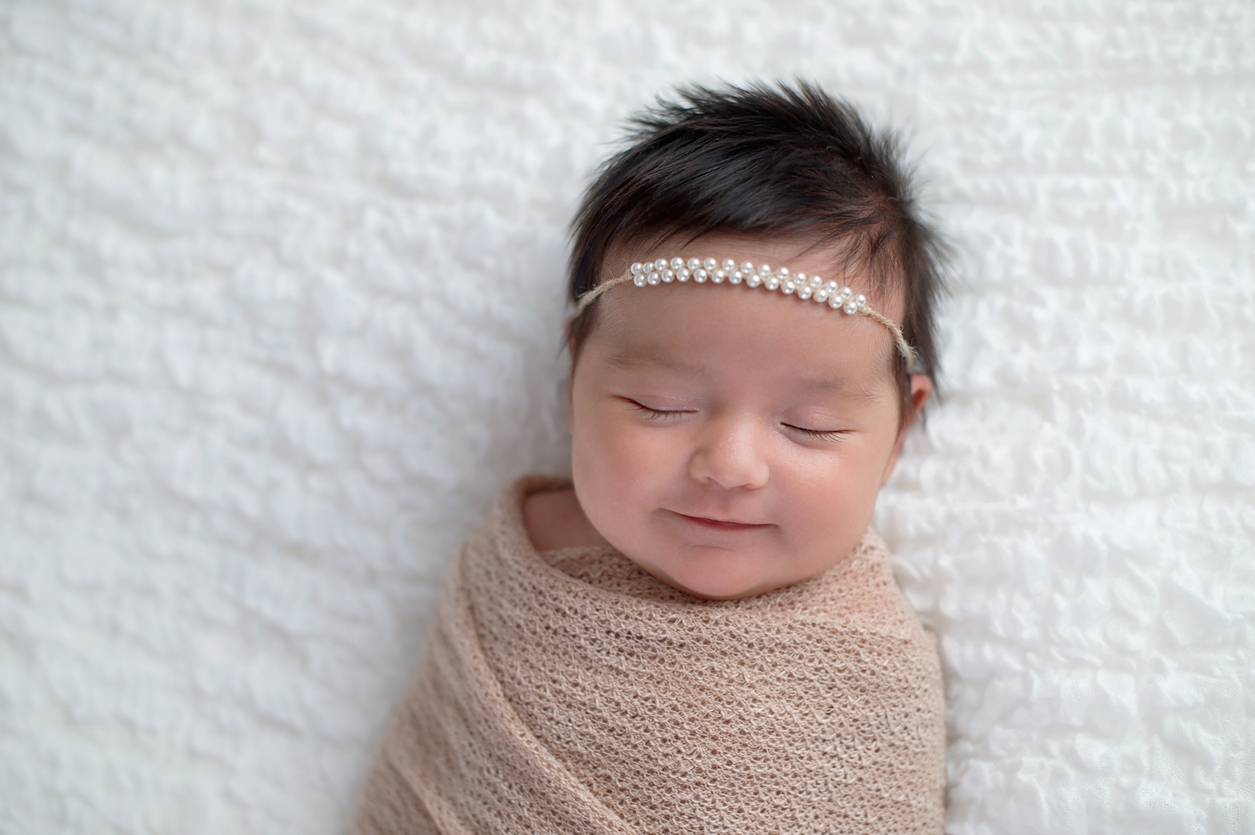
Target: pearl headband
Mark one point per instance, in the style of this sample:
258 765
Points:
813 288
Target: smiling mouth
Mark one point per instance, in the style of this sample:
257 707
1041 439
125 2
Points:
720 524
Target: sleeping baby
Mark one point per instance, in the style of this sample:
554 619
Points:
698 632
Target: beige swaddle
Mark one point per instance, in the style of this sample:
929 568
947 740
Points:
571 692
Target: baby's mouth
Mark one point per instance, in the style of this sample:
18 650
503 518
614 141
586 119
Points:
719 524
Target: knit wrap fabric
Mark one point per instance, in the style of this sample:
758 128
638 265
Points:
571 692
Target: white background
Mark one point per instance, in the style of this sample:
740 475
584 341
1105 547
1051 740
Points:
280 301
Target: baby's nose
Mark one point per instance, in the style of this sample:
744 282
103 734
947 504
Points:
731 455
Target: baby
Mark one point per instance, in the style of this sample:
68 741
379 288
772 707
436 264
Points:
698 632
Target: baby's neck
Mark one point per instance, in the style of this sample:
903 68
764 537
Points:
555 520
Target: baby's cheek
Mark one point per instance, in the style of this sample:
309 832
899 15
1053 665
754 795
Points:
602 464
833 502
656 457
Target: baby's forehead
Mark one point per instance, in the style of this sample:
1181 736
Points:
740 262
685 328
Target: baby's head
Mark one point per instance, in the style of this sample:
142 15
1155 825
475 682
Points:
731 430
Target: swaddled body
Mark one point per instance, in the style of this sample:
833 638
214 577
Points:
570 691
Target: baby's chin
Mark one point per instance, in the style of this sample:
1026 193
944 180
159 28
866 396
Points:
715 578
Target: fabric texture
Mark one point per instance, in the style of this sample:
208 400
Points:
571 691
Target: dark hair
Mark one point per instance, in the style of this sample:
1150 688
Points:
765 160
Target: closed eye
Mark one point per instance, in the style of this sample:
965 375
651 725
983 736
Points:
818 434
656 414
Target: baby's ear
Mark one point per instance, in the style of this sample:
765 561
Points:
921 387
570 393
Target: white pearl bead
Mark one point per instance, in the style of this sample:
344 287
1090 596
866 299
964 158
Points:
808 287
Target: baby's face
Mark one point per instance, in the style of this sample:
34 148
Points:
730 440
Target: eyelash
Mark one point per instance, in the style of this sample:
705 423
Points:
817 434
664 414
657 414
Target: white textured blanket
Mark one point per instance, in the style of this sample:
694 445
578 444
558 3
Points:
280 295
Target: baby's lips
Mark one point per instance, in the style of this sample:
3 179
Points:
714 522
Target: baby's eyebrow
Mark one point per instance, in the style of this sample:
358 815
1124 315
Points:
633 359
855 389
651 358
